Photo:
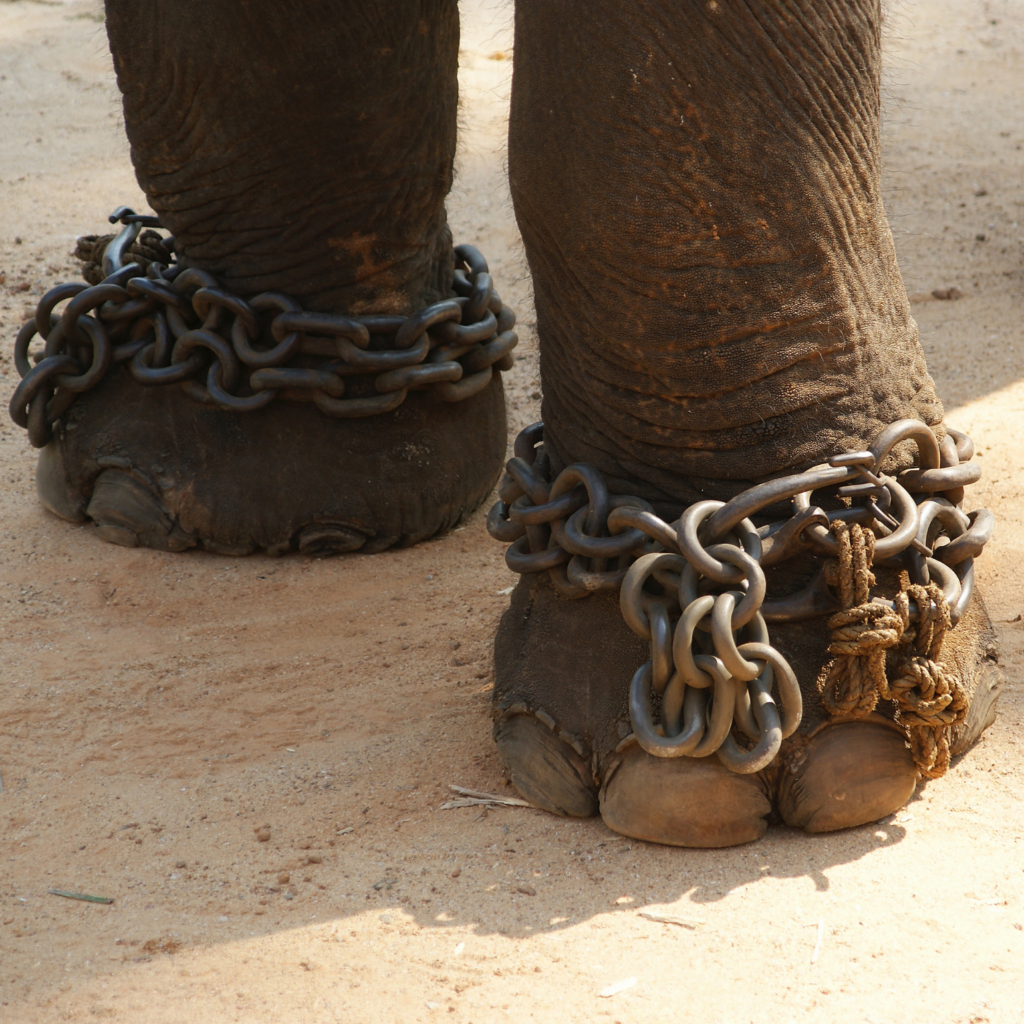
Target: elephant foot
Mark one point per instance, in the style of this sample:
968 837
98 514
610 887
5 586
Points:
562 729
839 773
970 650
563 670
982 712
683 801
152 468
853 772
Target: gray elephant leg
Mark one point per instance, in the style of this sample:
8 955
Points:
718 303
303 152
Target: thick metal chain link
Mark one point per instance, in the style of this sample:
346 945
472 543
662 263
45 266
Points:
178 326
696 588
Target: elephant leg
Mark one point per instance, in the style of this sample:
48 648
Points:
302 154
718 304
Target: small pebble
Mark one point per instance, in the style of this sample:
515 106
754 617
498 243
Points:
284 878
456 873
526 890
262 833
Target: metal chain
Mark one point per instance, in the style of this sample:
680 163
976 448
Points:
696 588
177 326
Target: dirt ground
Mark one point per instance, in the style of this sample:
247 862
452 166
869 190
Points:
156 709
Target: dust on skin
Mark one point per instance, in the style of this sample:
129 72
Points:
370 265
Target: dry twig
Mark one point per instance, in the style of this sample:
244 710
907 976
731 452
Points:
474 798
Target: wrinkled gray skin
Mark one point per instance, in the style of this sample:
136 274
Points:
698 189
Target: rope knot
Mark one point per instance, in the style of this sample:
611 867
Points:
930 701
861 632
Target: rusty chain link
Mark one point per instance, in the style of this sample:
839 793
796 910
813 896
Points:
696 588
172 325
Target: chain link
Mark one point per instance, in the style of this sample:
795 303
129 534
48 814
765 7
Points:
172 325
695 589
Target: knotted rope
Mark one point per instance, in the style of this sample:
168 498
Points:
930 701
862 632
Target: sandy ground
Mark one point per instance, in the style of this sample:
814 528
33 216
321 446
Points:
156 709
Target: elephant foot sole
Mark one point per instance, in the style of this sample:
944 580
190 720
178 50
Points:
152 468
849 774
